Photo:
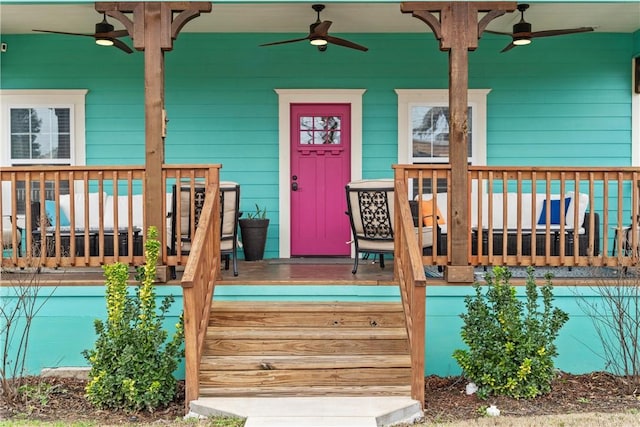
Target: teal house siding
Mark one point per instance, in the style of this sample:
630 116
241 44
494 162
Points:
560 101
64 326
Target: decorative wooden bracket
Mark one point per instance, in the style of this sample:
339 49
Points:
458 23
458 28
146 12
153 28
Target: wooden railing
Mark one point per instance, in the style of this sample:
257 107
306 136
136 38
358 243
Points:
198 283
409 272
534 226
87 215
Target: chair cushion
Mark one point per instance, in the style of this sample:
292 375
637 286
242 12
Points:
427 213
555 214
50 209
230 193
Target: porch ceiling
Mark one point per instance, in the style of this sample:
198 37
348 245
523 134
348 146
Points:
347 17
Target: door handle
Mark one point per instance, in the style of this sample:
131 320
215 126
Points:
294 186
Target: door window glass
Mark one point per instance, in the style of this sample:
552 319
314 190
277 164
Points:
320 130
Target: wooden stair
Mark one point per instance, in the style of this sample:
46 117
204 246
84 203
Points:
305 349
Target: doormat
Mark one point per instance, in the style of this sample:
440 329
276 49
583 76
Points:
312 261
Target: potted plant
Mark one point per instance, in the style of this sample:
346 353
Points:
253 231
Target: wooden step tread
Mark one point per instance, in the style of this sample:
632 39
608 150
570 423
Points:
316 377
373 333
309 319
268 391
259 347
305 307
288 362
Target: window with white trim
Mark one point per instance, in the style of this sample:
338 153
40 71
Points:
40 135
423 127
41 127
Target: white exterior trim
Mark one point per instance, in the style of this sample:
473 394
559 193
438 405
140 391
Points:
286 97
477 98
44 97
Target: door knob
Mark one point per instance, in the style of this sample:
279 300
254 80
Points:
294 186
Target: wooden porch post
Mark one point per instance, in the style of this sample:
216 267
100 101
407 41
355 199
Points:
153 28
458 30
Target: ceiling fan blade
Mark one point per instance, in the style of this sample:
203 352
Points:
346 43
65 33
322 28
497 32
118 33
549 33
508 47
286 41
122 46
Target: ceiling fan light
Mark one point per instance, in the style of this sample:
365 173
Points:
104 41
521 41
318 41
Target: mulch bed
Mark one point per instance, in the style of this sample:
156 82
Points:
446 399
63 400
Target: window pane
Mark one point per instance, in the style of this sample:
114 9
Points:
306 122
41 133
320 130
427 187
62 116
430 132
20 120
306 137
20 147
64 147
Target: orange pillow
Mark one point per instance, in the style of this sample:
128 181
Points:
427 214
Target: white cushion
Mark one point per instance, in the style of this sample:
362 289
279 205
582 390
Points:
528 218
229 208
78 215
137 202
583 203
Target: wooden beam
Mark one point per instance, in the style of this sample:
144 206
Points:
153 29
457 28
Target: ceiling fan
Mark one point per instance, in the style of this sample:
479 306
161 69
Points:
318 35
522 33
104 35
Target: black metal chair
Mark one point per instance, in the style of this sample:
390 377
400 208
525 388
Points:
370 210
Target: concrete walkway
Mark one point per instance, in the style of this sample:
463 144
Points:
311 411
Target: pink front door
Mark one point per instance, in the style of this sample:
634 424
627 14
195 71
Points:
320 169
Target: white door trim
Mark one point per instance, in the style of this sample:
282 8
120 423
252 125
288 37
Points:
286 97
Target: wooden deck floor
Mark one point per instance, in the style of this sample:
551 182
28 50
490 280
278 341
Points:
312 271
332 271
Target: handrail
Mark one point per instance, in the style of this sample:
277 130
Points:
409 272
198 282
105 207
506 222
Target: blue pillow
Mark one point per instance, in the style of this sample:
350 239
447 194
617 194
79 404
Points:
555 211
50 209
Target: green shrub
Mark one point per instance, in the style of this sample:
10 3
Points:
511 342
132 363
